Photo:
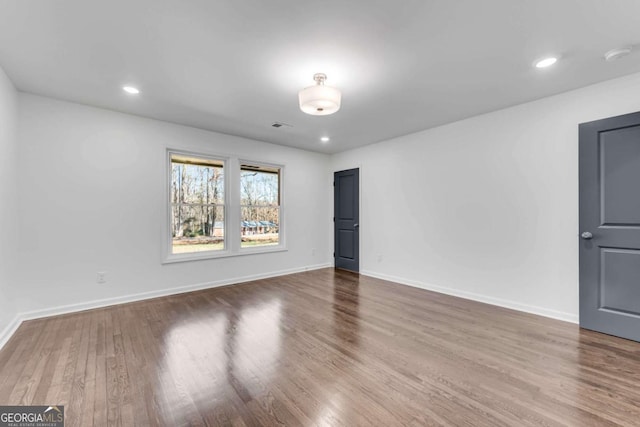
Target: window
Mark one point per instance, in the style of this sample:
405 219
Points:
221 206
197 204
259 205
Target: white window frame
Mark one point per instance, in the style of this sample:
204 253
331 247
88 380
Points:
169 256
281 246
232 212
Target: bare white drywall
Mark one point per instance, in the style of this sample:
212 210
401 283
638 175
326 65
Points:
92 190
485 208
8 205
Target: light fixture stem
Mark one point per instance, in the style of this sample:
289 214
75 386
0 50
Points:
320 78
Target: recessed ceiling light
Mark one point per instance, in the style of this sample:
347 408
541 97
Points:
130 89
546 62
324 139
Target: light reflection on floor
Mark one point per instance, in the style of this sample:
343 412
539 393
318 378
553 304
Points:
190 349
329 415
207 358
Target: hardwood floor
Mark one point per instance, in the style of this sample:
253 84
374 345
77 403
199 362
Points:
320 348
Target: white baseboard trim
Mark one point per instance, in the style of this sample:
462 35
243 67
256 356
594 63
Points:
559 315
6 334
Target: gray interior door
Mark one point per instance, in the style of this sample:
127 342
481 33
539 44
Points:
346 219
610 226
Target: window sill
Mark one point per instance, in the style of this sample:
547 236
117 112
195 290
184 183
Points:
263 250
198 256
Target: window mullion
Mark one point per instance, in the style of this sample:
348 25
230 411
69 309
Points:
233 203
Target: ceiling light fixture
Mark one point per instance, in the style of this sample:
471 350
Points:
319 100
324 139
546 62
617 53
130 89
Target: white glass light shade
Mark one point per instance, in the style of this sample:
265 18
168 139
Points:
319 100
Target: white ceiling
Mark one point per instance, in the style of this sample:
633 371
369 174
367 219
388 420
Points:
236 66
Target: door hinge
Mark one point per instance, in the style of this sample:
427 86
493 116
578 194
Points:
334 219
334 254
334 183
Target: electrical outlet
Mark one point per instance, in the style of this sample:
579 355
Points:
101 277
379 258
313 251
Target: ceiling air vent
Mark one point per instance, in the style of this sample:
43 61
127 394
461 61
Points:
280 124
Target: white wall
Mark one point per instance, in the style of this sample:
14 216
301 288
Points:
8 205
485 208
92 188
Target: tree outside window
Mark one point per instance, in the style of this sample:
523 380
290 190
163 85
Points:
259 205
197 204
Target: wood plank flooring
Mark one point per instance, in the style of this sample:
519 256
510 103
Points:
325 348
